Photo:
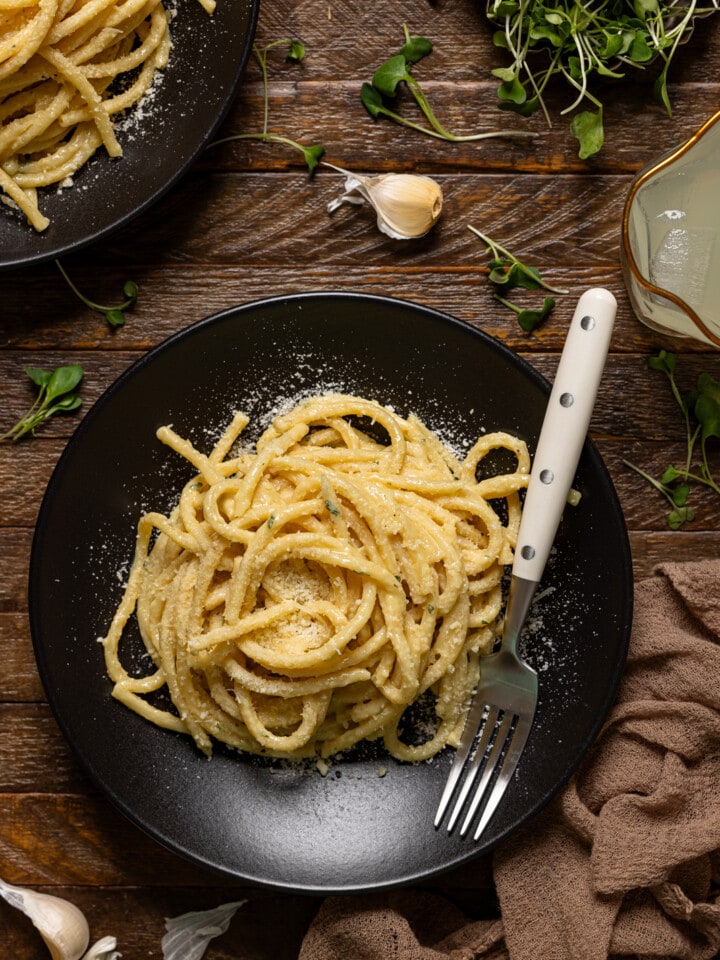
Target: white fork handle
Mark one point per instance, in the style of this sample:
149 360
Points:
564 429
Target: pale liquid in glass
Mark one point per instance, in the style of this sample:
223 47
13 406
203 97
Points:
677 221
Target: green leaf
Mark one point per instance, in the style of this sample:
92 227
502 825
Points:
613 46
522 109
546 32
707 406
63 380
296 51
415 49
506 74
574 68
670 474
529 278
503 273
680 494
387 76
530 319
39 377
115 317
680 515
131 290
312 155
512 273
640 51
664 361
587 128
512 90
371 100
71 402
504 8
644 8
661 92
500 40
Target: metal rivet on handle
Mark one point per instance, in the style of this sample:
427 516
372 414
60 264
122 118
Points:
587 323
547 476
567 400
527 553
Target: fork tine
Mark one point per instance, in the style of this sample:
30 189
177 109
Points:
486 733
462 753
490 768
515 749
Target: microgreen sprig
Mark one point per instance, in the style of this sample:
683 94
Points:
528 318
295 54
396 71
115 315
56 394
701 413
506 272
582 39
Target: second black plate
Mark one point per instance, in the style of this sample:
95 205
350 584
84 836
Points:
161 136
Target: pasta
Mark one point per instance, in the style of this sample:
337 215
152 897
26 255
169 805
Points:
66 68
303 594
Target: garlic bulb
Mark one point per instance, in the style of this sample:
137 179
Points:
61 924
407 205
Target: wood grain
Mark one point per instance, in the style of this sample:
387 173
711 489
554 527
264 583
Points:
248 222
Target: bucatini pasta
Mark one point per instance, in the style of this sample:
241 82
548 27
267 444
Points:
67 67
302 594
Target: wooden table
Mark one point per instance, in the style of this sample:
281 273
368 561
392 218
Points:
247 222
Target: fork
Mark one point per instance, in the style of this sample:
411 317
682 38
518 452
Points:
503 707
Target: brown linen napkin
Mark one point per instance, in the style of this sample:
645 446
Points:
625 862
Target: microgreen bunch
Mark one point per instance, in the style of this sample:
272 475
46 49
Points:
506 271
56 394
115 315
581 39
295 54
387 80
701 412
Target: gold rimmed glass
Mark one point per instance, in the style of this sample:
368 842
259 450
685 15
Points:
670 248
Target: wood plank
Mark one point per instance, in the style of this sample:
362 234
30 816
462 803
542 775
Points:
33 751
649 550
19 679
15 550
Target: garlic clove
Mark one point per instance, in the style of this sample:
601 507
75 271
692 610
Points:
407 205
60 923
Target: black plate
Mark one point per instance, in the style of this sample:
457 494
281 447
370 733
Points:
178 119
275 823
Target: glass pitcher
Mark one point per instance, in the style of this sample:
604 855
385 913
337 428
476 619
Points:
670 248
